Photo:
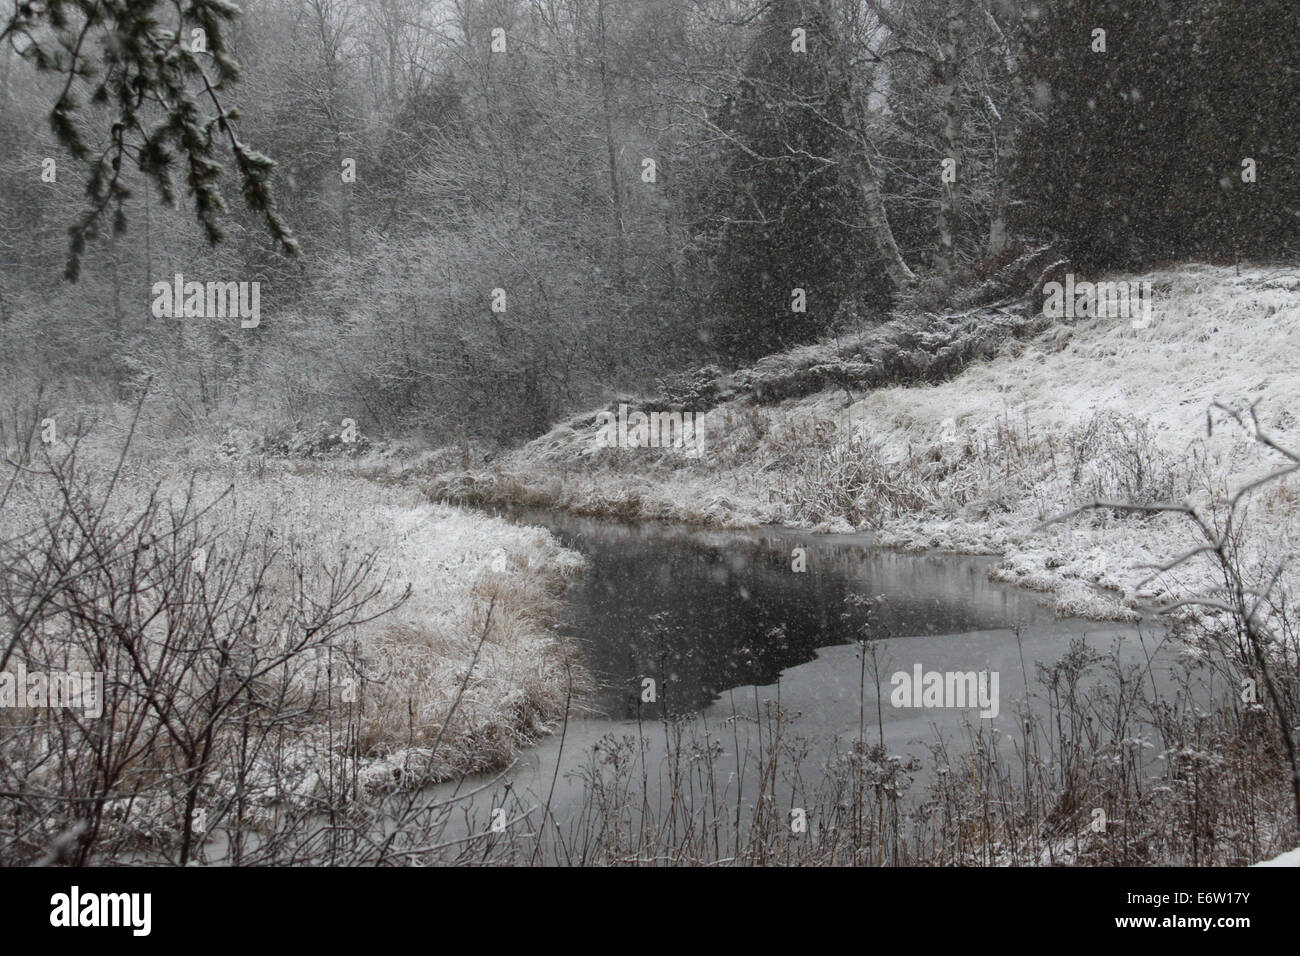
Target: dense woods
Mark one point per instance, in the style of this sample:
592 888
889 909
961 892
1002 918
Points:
650 185
294 293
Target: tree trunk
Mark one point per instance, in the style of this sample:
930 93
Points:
951 71
606 95
1004 159
864 174
1007 133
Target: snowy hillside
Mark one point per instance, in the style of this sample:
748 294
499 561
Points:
976 464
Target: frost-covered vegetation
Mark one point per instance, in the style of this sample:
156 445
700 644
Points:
1071 784
1035 454
276 647
823 229
979 461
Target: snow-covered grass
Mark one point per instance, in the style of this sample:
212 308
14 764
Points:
457 564
446 570
977 463
985 462
1290 858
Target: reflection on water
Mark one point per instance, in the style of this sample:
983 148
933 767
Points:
726 627
699 613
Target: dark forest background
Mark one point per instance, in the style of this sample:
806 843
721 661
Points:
648 180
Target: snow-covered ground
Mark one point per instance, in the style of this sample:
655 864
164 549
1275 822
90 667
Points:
458 564
1290 858
1092 407
467 574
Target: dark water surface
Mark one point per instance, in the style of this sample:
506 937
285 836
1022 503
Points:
724 626
702 612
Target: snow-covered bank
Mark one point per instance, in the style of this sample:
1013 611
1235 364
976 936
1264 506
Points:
458 565
454 608
1093 408
1290 858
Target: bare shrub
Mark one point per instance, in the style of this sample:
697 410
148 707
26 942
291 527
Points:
262 701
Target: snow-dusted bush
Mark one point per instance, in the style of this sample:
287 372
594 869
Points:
272 649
